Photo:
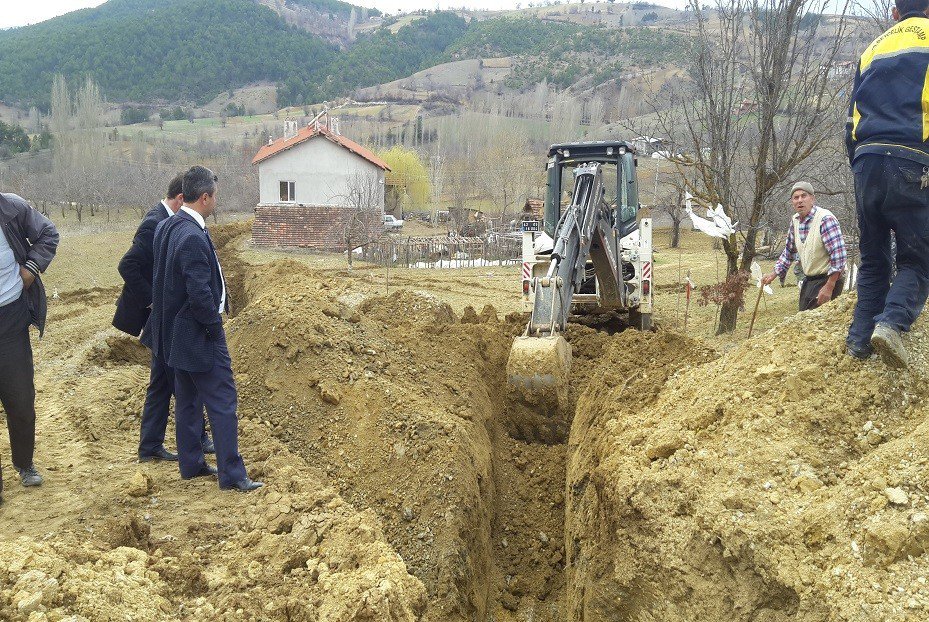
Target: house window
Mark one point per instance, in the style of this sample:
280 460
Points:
287 192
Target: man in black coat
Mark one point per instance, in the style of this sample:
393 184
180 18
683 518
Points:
185 329
132 311
27 245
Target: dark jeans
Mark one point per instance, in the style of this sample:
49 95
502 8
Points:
889 197
156 409
216 388
17 388
809 291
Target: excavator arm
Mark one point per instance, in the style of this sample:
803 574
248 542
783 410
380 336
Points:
540 360
584 232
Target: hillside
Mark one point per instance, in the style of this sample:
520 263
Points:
332 20
138 50
310 49
565 52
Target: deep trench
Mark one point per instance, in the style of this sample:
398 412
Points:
490 542
510 558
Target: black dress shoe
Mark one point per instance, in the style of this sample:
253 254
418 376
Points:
159 454
243 485
207 444
205 471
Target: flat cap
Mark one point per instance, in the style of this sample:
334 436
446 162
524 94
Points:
802 185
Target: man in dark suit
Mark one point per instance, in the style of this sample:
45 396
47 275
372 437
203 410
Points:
185 329
132 311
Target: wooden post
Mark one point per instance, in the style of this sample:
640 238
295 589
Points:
751 324
687 303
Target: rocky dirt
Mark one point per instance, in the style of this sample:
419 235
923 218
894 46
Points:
779 481
782 481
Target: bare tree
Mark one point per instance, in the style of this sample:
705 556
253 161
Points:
761 102
365 205
510 165
876 14
673 207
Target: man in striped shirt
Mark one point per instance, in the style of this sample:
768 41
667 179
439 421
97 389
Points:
815 240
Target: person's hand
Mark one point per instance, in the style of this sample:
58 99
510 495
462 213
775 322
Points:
28 277
824 295
768 278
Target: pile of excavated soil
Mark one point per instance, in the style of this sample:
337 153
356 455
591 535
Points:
391 397
106 538
783 481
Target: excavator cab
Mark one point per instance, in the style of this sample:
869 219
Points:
618 168
591 251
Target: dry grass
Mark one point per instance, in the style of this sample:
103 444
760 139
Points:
708 267
90 251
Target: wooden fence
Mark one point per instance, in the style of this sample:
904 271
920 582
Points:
450 252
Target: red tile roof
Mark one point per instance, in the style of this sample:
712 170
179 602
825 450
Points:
308 132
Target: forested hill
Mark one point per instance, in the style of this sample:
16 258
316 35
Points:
158 49
191 50
174 51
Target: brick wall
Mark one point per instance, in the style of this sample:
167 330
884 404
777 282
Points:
320 227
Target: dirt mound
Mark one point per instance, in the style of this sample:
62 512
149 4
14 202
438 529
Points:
783 481
293 555
386 395
120 350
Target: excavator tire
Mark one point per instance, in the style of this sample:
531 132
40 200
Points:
538 371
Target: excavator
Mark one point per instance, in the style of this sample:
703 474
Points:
590 254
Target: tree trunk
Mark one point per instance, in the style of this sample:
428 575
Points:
675 233
728 314
729 310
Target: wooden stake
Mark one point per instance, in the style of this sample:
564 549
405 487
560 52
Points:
689 289
751 324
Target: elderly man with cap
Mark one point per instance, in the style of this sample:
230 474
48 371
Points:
815 239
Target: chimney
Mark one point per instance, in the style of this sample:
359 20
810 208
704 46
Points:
290 129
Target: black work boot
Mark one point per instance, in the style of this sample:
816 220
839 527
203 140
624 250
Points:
859 352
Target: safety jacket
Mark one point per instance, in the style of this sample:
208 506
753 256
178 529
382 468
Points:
889 109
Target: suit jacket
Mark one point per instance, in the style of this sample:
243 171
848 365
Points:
34 241
136 269
187 287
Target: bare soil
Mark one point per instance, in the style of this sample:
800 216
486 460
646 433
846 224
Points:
778 481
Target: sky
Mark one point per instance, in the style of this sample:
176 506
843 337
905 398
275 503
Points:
21 13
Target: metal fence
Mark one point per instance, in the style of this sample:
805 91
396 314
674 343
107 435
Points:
450 252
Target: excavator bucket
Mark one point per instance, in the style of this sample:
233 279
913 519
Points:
537 373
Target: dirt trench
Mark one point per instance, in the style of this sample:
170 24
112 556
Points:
396 402
762 486
401 404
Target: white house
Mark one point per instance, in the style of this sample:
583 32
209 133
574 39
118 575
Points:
312 184
317 166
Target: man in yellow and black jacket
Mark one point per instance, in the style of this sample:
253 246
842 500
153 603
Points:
887 136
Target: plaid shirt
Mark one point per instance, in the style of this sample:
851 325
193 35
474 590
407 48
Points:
832 240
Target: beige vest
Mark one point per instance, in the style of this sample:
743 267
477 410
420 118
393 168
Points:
814 258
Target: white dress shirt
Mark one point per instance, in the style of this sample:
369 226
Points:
167 209
199 219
